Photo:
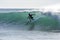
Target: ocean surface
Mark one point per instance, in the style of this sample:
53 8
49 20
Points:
28 35
13 25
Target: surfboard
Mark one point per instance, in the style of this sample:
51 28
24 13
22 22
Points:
35 19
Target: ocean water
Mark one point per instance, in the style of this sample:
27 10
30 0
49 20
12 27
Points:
18 20
13 26
28 35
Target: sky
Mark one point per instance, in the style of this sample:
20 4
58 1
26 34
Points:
52 4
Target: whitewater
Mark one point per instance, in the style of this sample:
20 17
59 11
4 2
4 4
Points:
28 35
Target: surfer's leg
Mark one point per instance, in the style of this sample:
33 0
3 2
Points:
28 21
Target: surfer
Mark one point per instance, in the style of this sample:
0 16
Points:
30 18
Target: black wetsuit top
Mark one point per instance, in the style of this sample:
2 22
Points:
30 16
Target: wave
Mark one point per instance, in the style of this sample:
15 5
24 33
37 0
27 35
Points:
20 18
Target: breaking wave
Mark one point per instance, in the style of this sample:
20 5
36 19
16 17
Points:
18 20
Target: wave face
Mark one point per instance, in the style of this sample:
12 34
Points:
18 20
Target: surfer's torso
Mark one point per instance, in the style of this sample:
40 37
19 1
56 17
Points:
30 16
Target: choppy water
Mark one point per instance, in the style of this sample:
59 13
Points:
28 35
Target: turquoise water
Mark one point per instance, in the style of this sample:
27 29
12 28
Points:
13 26
20 18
